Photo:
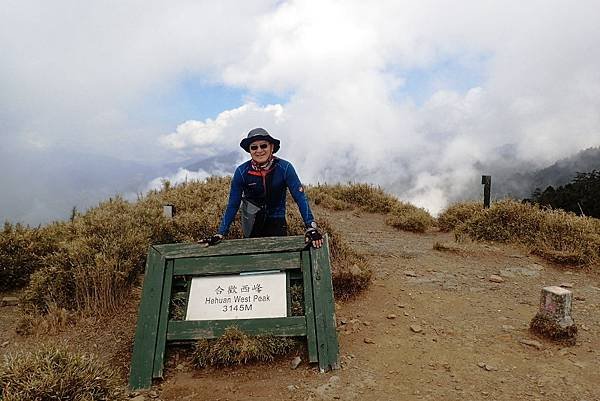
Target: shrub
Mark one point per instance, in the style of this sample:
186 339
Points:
22 250
94 269
96 257
234 347
553 234
457 214
407 217
199 207
52 322
51 373
351 272
505 221
342 197
372 199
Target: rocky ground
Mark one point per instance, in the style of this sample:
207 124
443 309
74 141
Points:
446 324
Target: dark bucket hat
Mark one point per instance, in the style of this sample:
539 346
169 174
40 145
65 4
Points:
256 135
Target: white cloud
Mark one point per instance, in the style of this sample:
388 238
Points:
181 176
72 72
344 61
223 134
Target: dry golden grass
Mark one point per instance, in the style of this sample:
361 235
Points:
351 272
553 234
407 217
96 264
234 347
373 199
443 247
51 373
457 214
22 250
54 321
344 197
97 257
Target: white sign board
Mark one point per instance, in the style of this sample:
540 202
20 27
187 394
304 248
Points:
248 296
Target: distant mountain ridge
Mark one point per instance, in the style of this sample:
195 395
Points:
522 185
223 162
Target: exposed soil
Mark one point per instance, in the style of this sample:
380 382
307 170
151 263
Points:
432 326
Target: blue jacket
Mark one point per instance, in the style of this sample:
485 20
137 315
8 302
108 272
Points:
268 188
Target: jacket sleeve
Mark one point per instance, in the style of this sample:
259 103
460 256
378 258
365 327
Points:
297 191
235 198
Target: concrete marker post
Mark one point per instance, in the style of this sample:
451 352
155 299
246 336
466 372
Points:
554 320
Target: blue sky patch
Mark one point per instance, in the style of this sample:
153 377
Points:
197 99
457 74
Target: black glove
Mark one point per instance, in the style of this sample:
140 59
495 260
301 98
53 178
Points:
312 234
212 240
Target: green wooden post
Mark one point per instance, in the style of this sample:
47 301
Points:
142 360
161 339
309 309
322 264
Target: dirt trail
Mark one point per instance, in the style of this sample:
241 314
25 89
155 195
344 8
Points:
465 341
468 346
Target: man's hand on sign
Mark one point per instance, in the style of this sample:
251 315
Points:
212 240
313 236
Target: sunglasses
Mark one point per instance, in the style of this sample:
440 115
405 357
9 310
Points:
262 146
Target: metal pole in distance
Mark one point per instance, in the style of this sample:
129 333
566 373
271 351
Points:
486 181
169 211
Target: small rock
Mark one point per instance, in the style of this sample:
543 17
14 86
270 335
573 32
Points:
343 321
532 343
416 328
566 285
410 273
180 367
4 344
355 270
507 327
481 364
406 314
295 362
494 278
366 323
368 340
490 368
9 301
152 394
579 298
334 379
391 316
402 306
291 387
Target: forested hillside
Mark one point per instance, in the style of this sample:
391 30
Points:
580 196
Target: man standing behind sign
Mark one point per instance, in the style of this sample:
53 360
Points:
260 186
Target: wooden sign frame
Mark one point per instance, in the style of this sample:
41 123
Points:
166 263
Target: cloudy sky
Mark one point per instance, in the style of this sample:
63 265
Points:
412 95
